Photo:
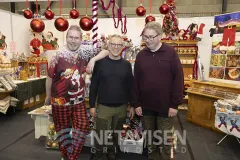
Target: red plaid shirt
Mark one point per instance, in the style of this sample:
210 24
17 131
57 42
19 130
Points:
66 70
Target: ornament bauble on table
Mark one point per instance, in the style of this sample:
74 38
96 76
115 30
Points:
164 9
140 11
49 14
61 24
27 13
149 18
74 14
86 23
37 25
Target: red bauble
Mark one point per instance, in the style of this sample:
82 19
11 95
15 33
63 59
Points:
149 19
140 11
74 14
37 25
61 24
86 23
164 9
49 14
28 13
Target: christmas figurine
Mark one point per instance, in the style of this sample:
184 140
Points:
49 42
3 44
36 47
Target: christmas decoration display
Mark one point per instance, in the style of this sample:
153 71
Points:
132 130
74 14
95 20
86 23
140 10
27 13
51 142
3 44
149 18
37 25
227 115
164 9
49 42
170 20
61 24
49 14
36 47
120 13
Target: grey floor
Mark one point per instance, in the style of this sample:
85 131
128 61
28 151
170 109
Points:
17 142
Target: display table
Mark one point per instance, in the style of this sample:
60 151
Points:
201 97
41 120
31 92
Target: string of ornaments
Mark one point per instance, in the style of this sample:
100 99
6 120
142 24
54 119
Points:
61 23
170 21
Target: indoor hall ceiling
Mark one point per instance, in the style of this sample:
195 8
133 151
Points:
185 8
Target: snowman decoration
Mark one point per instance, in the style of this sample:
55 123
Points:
76 81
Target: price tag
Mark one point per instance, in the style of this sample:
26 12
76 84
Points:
13 47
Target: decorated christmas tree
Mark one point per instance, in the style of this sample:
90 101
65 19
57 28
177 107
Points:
170 20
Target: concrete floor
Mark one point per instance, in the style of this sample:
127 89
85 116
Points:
17 142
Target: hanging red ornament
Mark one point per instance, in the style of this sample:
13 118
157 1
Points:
28 13
37 25
61 24
49 14
86 23
164 9
140 11
149 18
74 14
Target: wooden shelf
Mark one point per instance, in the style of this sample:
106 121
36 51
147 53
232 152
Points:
187 53
180 42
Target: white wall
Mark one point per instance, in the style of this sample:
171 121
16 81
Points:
21 35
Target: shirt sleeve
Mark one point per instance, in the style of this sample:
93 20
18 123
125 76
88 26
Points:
94 86
135 102
52 66
88 51
177 83
130 81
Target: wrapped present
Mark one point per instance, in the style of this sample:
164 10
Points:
132 130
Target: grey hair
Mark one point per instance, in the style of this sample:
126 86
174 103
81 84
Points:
156 26
75 28
115 36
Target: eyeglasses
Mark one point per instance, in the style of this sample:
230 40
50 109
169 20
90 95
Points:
116 45
149 38
73 38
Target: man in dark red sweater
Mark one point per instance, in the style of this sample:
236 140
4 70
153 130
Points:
158 87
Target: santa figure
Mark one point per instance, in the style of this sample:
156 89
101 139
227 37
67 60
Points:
76 90
36 47
3 44
49 42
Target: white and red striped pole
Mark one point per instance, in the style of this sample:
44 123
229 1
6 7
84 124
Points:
95 20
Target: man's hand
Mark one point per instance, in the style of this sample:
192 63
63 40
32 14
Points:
131 112
139 111
172 112
93 112
90 66
47 100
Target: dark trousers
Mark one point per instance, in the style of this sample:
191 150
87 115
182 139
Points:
152 121
70 147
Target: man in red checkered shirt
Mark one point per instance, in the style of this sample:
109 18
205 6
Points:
65 92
